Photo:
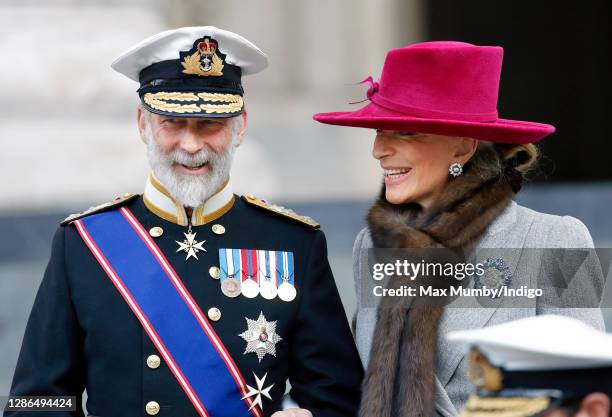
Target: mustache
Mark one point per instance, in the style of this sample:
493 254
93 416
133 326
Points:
184 158
189 159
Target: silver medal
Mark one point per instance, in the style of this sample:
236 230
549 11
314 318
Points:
268 289
250 288
267 284
286 291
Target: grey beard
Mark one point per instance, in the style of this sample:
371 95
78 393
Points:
190 190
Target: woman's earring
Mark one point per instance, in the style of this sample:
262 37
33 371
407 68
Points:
455 169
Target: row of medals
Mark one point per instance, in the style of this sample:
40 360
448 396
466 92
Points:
232 287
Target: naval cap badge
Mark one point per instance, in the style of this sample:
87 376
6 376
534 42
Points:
204 58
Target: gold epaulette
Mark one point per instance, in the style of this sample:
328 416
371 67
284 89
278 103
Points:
251 199
118 201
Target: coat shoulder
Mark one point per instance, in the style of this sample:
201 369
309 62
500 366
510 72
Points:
520 226
116 202
363 240
281 211
557 231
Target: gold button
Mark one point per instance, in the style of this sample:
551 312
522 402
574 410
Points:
214 314
251 197
214 272
156 231
153 361
152 408
126 195
218 229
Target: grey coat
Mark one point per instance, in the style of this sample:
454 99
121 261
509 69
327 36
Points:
515 227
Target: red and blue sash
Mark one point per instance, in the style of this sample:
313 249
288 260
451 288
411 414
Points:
168 313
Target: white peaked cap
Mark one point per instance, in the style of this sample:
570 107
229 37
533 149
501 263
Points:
544 342
166 46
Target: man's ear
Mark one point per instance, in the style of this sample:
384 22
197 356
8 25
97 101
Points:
465 150
140 118
243 127
596 404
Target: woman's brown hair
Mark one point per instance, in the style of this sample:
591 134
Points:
524 156
504 160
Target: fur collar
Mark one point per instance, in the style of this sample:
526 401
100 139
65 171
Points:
399 380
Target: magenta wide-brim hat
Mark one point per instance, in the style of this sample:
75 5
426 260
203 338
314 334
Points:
502 130
443 88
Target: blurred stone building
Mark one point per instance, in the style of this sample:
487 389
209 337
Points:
65 109
69 139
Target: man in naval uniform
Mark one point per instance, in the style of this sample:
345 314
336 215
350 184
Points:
545 366
188 300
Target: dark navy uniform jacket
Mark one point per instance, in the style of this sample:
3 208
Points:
81 334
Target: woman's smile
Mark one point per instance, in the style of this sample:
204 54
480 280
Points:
395 175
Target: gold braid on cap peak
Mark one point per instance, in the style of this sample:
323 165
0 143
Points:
231 98
174 95
161 101
504 406
223 108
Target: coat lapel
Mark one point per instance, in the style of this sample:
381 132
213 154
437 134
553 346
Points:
473 316
443 404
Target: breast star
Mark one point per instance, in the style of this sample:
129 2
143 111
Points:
261 337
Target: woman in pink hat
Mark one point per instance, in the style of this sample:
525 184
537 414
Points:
451 167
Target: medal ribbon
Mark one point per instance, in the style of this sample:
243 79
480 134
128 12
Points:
224 264
268 274
168 313
245 263
236 262
261 265
271 257
285 263
252 258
